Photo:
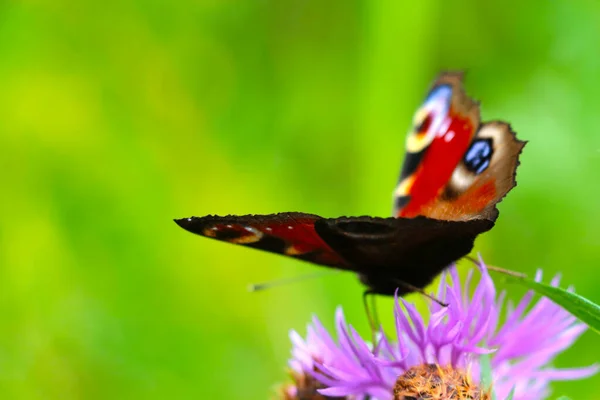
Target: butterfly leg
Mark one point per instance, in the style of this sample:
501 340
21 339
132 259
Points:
371 311
412 288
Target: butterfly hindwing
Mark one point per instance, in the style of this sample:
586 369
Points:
291 234
482 178
389 251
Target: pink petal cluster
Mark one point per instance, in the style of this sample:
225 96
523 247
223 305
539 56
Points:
520 348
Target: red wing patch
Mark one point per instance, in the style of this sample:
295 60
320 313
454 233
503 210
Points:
291 234
443 128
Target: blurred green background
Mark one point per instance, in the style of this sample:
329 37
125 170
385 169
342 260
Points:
116 117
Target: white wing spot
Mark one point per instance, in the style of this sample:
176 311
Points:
449 136
214 228
444 126
251 230
268 229
229 226
290 227
189 220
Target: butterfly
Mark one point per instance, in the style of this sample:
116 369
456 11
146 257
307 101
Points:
455 171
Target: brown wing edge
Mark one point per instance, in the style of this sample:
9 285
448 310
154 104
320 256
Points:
511 162
461 101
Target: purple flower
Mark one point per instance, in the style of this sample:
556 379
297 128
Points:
455 338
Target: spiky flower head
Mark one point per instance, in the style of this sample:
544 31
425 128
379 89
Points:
441 359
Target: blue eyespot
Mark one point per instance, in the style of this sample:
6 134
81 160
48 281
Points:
441 92
479 155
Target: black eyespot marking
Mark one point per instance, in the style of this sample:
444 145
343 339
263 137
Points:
227 233
269 243
411 163
450 193
424 125
401 202
364 227
479 155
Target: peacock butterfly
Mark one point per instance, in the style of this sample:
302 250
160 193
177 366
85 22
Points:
455 171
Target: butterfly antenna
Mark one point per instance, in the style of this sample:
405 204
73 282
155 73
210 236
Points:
413 288
257 287
497 269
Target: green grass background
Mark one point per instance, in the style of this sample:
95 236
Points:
117 116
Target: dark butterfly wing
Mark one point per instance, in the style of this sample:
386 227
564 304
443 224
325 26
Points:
384 251
390 251
291 234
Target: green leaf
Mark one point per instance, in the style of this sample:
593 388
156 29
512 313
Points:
582 308
511 394
564 398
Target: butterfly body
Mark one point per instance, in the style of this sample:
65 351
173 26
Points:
455 172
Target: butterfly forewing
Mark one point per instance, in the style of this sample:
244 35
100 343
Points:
443 128
455 168
291 234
